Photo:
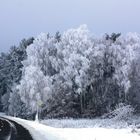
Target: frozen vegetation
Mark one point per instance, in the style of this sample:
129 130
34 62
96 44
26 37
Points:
72 75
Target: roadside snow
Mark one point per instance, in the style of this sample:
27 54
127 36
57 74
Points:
86 123
42 132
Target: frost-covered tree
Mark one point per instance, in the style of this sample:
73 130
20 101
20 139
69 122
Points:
110 67
33 88
78 75
133 95
10 70
16 106
75 47
38 72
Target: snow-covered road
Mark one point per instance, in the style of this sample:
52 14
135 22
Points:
43 132
10 130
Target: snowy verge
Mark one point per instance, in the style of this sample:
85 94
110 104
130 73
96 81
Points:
42 132
87 123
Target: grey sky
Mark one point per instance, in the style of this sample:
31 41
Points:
25 18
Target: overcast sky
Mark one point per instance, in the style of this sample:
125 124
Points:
25 18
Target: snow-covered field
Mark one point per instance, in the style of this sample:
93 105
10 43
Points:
99 130
88 123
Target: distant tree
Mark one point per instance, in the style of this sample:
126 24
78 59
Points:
58 36
113 36
134 90
10 69
16 107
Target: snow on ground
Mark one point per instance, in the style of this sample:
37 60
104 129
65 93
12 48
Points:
43 132
87 123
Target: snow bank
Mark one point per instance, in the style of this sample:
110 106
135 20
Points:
86 123
42 132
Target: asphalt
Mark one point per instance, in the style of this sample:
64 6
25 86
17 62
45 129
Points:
11 130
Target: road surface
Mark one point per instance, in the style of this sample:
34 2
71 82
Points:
10 130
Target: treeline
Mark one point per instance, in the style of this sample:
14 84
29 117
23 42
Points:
10 75
71 75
